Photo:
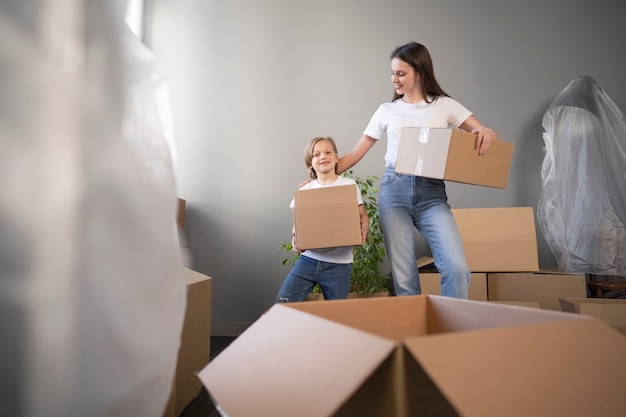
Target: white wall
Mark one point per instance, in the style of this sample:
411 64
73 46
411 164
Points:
252 82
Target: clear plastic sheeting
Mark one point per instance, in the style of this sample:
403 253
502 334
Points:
92 295
582 205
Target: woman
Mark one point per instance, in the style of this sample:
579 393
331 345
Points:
408 201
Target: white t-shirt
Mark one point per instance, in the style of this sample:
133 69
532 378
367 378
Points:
340 255
391 117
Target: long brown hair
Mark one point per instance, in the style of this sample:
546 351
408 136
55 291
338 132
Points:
416 55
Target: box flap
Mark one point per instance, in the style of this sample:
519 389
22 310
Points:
611 311
498 239
541 371
573 304
447 314
192 277
327 217
291 363
465 165
612 314
391 317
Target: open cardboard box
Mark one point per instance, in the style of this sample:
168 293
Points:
449 154
609 310
421 355
545 288
327 217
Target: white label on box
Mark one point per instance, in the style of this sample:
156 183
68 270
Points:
423 151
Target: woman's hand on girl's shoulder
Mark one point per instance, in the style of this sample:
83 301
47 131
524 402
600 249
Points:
303 183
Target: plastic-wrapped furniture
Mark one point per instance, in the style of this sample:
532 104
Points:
582 205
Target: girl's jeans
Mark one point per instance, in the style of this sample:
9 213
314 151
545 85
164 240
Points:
334 280
408 201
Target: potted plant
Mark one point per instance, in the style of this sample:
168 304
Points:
366 278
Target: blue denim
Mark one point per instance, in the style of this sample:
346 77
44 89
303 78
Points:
333 278
408 201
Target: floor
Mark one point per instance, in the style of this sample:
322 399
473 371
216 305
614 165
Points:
201 406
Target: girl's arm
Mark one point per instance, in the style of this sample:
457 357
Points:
293 240
351 158
365 222
484 135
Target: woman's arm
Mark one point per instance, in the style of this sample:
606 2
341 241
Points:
351 158
484 135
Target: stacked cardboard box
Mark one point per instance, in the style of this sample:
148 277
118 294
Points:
194 352
499 239
430 283
542 287
419 355
502 243
180 213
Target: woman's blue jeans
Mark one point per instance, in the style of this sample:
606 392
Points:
408 201
333 278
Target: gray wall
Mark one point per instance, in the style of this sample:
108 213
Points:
252 81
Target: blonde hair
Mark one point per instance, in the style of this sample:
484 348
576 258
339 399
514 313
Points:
308 153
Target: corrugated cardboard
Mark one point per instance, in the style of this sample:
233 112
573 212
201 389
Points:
180 213
544 288
430 283
195 344
327 217
449 154
609 310
418 356
531 304
499 239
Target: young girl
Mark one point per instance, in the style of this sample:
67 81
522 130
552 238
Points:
329 267
407 201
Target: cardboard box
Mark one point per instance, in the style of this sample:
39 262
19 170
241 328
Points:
327 217
477 290
609 310
498 239
449 154
544 288
180 213
531 304
195 346
420 355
